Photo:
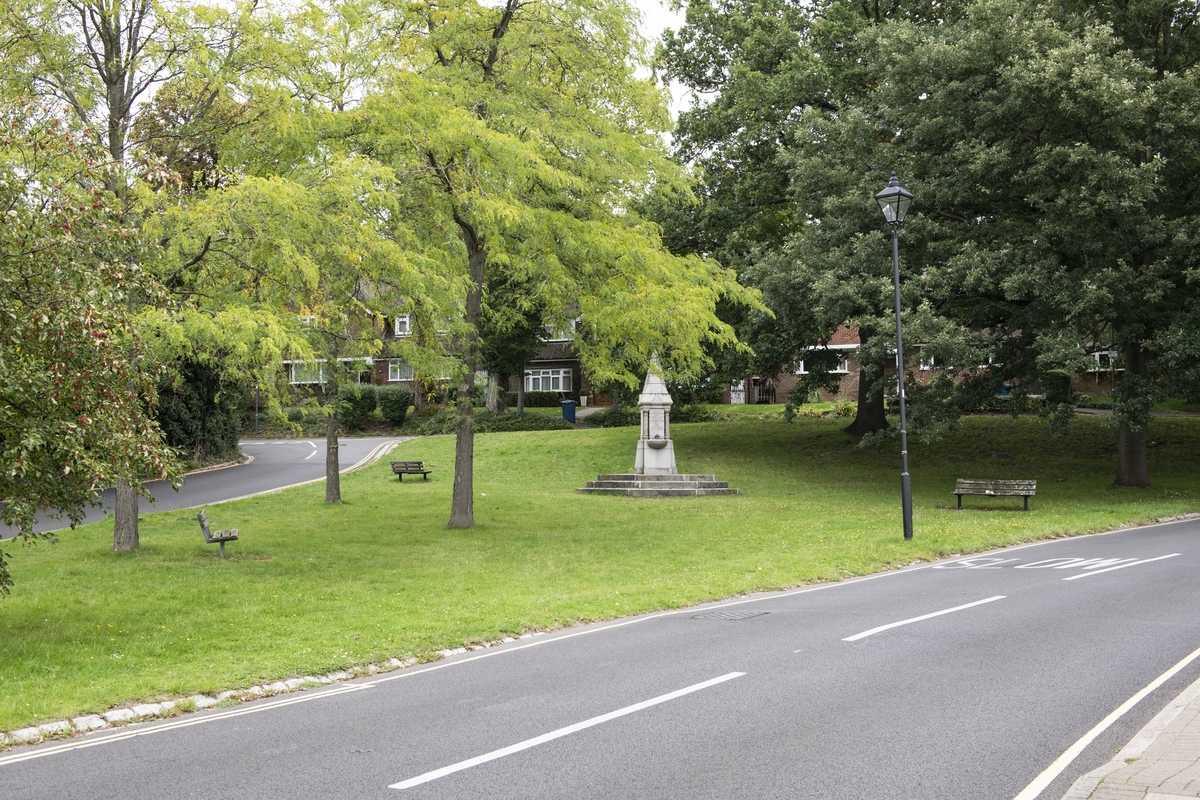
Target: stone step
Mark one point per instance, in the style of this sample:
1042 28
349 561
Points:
657 485
630 476
659 491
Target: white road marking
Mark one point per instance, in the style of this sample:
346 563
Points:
558 734
131 731
1119 566
1051 772
976 562
891 625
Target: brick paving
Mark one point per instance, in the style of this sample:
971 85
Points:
1161 763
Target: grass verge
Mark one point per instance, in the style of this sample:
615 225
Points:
311 588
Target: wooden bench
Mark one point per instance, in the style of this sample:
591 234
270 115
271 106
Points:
997 488
220 537
402 468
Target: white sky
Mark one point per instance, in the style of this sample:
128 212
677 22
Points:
658 16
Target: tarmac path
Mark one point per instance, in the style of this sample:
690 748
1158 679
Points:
274 464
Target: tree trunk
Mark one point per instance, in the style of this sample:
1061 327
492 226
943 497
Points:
521 391
871 413
333 475
462 504
125 518
1133 468
492 398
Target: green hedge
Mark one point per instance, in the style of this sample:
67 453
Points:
394 402
445 421
628 416
357 401
540 399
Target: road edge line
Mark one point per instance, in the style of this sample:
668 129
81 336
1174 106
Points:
1039 784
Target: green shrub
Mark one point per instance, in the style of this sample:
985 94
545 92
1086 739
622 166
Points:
539 399
394 402
356 402
446 421
614 418
201 415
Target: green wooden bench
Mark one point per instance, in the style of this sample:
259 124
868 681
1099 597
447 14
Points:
995 488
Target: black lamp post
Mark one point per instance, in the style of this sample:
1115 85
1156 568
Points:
894 202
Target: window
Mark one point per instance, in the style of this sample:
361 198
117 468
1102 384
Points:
842 367
399 371
300 372
306 372
561 332
548 380
1105 360
932 362
402 325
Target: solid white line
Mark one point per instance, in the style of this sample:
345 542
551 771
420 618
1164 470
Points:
558 734
891 625
131 731
1119 566
1051 772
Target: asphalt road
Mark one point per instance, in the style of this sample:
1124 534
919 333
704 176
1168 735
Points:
275 464
959 680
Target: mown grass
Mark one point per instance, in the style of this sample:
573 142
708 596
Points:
310 588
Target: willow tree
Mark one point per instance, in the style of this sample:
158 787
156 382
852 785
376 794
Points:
524 138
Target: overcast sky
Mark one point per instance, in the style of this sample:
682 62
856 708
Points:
657 16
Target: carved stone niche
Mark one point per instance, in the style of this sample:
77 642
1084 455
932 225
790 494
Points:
655 451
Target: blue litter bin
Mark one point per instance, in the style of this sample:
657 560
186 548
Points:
568 407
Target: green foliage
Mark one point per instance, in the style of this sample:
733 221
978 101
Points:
539 399
394 403
621 417
200 416
73 370
356 401
445 421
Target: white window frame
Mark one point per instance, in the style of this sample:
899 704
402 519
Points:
842 368
399 370
306 373
306 378
546 378
1104 360
402 325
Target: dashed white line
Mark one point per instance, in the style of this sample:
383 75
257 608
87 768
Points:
891 625
558 734
1119 566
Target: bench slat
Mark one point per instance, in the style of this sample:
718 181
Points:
995 488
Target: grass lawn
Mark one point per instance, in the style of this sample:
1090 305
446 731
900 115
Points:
311 588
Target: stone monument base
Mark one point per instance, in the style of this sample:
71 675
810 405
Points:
658 485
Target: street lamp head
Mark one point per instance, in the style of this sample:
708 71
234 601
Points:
894 201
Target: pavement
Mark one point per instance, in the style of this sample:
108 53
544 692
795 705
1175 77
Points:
1162 762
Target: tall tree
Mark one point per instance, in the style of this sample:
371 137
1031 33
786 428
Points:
1058 149
522 132
766 74
72 384
98 60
